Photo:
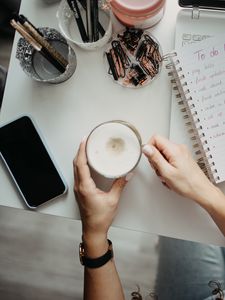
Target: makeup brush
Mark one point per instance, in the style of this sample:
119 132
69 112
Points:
37 35
37 46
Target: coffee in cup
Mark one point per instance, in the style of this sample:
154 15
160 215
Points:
113 148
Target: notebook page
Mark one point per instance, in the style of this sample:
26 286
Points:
203 65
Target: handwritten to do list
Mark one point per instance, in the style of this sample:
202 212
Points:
202 66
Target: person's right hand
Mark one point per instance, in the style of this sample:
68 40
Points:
97 208
176 168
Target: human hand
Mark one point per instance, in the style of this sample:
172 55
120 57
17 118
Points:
176 168
97 208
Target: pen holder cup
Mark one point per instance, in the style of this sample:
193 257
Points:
70 31
36 66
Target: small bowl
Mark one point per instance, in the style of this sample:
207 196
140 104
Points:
70 31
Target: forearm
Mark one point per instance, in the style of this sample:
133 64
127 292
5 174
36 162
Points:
104 282
212 200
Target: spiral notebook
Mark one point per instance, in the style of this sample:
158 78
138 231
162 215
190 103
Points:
198 73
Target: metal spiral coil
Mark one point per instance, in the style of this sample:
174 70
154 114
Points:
190 115
172 64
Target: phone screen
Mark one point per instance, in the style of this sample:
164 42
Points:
213 4
29 162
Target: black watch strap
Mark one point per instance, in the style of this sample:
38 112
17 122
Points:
95 262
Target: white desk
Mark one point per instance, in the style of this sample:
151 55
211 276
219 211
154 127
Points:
68 111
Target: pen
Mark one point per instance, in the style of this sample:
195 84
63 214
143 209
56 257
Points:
94 20
74 7
88 20
37 35
100 28
36 45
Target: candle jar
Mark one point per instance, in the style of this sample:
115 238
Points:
37 66
139 13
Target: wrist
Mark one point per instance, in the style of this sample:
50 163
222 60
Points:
216 199
208 196
95 261
95 245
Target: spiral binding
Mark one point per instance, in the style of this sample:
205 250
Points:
190 115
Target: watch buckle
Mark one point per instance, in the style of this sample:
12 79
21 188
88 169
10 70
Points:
81 253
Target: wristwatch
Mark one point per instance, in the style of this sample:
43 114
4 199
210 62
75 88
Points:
95 262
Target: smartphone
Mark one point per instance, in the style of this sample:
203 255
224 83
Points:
207 4
29 162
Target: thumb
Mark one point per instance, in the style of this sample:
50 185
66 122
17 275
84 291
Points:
156 159
118 186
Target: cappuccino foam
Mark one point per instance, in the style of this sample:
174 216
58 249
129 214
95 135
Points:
113 149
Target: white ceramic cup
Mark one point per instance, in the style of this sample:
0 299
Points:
114 148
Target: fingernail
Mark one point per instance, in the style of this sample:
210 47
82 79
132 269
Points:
84 139
129 176
148 150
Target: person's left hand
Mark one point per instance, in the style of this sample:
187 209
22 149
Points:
97 208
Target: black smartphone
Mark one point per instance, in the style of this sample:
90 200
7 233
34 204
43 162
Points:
29 162
207 4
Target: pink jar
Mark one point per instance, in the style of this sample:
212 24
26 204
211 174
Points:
138 13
